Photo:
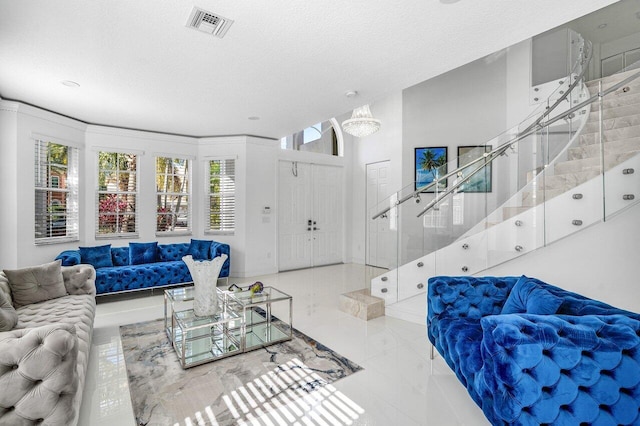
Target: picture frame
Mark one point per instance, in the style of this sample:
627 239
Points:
430 163
481 182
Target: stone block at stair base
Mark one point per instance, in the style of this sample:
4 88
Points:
362 304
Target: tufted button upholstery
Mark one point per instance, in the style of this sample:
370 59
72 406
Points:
169 269
583 371
45 384
69 257
79 279
43 360
538 369
120 256
453 297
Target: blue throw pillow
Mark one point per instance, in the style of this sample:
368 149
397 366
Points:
120 256
140 253
98 257
529 296
199 249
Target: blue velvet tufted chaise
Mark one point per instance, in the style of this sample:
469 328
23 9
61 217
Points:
533 354
144 265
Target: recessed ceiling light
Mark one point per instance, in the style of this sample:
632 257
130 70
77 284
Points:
449 1
351 93
601 26
254 118
70 83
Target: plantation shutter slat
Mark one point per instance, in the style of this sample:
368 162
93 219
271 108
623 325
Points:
221 208
56 204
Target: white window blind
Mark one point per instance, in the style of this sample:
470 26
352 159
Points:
117 195
56 192
221 205
173 189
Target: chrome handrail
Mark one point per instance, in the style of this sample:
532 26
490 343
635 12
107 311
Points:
585 63
526 132
505 145
532 128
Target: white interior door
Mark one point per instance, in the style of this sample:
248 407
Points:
327 215
379 235
310 215
294 211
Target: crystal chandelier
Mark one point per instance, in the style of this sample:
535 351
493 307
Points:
361 123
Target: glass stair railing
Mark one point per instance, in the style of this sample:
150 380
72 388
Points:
570 164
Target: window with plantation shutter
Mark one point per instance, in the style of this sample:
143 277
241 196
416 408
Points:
56 192
117 195
173 206
221 199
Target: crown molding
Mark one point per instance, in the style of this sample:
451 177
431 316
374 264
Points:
95 129
9 106
41 114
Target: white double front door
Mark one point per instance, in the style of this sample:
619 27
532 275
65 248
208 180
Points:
310 215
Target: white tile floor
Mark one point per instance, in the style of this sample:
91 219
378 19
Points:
398 386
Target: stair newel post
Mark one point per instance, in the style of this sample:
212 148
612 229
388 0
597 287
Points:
601 142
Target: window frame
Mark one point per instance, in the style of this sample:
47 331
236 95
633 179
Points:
43 182
225 193
118 194
188 194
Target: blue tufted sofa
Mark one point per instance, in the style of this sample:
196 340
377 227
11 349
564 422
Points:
530 353
164 267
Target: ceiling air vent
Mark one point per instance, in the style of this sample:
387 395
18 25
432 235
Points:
209 23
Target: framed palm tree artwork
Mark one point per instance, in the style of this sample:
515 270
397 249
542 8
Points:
430 164
480 180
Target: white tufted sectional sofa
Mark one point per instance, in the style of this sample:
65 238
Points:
44 358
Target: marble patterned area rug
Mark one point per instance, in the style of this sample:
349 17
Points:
287 383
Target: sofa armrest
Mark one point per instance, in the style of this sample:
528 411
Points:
38 374
465 297
561 369
69 257
216 250
79 279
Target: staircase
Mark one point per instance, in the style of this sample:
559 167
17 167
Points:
570 187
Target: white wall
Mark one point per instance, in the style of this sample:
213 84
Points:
465 106
17 222
386 144
599 262
9 178
253 245
147 146
261 228
254 242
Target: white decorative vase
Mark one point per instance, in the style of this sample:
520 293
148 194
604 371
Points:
205 278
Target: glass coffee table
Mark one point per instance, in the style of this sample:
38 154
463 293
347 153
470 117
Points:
198 340
244 323
260 328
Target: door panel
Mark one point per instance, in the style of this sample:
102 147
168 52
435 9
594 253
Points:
315 195
294 209
379 235
328 212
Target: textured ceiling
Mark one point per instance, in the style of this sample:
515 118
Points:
287 62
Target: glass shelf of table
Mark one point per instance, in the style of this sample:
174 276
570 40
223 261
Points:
261 328
206 338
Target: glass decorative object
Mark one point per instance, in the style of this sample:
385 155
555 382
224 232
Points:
205 277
